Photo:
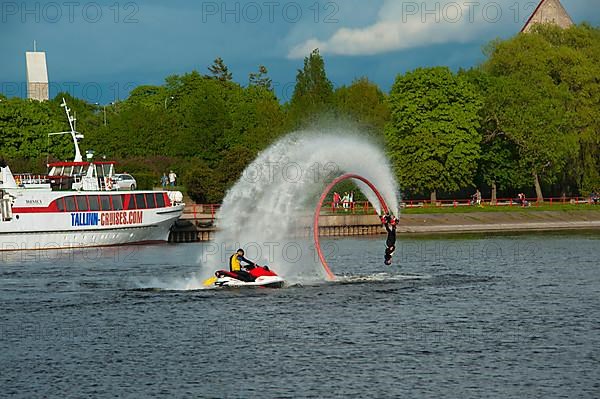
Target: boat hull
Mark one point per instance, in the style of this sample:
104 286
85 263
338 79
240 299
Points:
155 227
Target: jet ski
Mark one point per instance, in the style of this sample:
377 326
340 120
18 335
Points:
258 276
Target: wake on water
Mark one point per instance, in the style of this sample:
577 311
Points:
276 197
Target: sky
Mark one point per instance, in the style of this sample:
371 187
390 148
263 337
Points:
100 50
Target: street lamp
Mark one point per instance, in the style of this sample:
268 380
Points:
104 111
168 98
104 107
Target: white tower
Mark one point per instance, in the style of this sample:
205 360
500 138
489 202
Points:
37 75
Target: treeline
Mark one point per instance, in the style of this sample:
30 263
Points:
524 120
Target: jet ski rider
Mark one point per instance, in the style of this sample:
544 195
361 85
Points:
235 265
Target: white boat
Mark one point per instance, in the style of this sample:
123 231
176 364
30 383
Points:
33 215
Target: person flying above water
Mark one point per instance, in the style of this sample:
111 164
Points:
235 265
390 242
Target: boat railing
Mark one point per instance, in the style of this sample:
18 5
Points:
29 179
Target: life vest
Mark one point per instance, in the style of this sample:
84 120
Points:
234 263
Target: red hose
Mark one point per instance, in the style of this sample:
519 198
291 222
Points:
347 176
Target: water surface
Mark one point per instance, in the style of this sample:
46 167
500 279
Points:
495 317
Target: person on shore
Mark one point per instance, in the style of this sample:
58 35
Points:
336 199
235 265
345 200
478 197
389 222
164 180
172 178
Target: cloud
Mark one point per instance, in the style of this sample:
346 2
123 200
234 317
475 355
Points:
405 25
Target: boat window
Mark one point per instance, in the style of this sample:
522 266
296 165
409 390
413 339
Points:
77 170
60 204
150 200
82 204
94 203
117 203
127 201
160 200
106 169
68 170
105 203
140 202
70 204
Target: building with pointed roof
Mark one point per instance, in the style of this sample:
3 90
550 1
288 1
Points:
549 12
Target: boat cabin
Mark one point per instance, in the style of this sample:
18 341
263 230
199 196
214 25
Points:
88 176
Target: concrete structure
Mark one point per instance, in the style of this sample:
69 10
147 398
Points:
37 75
549 11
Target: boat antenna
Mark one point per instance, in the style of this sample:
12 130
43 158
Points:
74 134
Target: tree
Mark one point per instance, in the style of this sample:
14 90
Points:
313 93
219 70
260 78
543 98
498 166
149 96
365 103
201 183
24 128
432 137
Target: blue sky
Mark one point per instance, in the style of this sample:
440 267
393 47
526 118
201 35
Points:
99 50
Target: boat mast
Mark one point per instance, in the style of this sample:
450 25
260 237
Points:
74 134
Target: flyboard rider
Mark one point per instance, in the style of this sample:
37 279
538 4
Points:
389 222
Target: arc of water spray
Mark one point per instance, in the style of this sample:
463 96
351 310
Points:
329 187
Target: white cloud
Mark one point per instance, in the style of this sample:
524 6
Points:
404 25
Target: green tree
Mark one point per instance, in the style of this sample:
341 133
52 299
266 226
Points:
542 99
201 183
313 93
432 137
364 103
499 164
24 128
218 70
260 78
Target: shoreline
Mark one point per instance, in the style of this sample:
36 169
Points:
347 225
491 222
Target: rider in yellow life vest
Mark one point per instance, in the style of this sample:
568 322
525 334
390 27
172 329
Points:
235 265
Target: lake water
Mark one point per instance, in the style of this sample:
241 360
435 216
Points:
474 317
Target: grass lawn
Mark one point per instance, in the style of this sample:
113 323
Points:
502 208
